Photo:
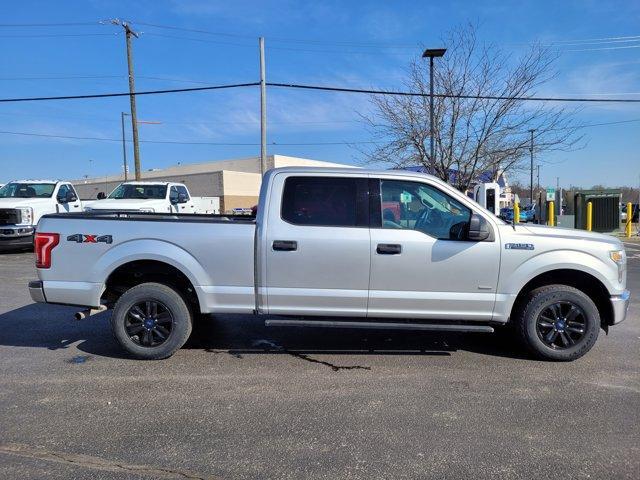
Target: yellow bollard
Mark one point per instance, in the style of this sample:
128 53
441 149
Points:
516 212
627 227
589 216
551 214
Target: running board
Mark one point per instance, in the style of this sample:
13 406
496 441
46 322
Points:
438 327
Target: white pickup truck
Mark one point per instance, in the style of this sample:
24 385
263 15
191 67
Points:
23 202
150 197
372 249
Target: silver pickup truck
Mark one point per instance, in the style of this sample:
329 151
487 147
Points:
344 248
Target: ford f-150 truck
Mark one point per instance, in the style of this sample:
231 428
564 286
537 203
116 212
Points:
23 202
343 248
150 197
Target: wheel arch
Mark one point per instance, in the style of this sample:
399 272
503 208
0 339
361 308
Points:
137 272
579 279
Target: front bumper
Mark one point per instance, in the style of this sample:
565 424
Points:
12 237
37 291
620 305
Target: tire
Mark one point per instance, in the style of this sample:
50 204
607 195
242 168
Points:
144 338
568 343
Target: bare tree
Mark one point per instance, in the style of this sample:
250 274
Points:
487 130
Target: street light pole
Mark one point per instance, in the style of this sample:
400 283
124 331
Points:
432 53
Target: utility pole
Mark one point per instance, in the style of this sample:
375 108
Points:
124 147
132 89
539 202
263 110
531 151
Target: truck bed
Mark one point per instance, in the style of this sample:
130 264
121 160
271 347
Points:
216 252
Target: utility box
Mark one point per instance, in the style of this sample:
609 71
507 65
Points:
606 209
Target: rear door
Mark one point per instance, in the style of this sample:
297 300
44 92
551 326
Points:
317 245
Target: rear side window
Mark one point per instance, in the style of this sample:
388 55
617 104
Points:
325 201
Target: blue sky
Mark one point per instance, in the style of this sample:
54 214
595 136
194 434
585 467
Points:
307 42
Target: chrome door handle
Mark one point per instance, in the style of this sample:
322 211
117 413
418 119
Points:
389 249
285 245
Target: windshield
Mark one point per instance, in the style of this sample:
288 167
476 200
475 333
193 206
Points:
27 190
144 192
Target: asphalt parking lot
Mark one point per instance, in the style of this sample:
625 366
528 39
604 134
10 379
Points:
245 401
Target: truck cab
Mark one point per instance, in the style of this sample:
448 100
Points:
23 202
148 197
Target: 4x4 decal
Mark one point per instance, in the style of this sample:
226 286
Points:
82 238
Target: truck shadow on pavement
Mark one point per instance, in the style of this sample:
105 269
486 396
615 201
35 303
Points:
53 327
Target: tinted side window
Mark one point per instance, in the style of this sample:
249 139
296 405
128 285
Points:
62 192
418 206
325 201
173 194
182 189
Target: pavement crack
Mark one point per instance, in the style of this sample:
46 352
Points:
335 368
97 463
268 346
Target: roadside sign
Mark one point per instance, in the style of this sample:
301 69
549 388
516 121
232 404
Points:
551 194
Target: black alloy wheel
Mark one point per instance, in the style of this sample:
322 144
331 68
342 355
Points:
149 323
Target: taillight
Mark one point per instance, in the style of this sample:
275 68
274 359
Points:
43 244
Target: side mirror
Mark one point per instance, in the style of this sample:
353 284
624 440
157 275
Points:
71 197
101 196
182 198
479 229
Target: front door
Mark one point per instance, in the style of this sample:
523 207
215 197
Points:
421 264
317 245
63 206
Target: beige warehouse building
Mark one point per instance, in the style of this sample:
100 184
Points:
236 182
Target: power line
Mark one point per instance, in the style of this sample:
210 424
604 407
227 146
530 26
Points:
274 39
68 24
603 48
462 96
65 77
54 35
331 89
176 142
242 45
169 122
107 95
628 38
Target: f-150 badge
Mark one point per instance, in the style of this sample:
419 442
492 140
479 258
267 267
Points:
82 238
518 246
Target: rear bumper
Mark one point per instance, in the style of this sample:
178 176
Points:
620 305
82 294
37 291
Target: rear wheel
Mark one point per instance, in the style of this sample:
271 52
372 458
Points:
558 322
151 321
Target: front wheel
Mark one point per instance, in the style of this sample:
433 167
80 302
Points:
151 321
558 322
